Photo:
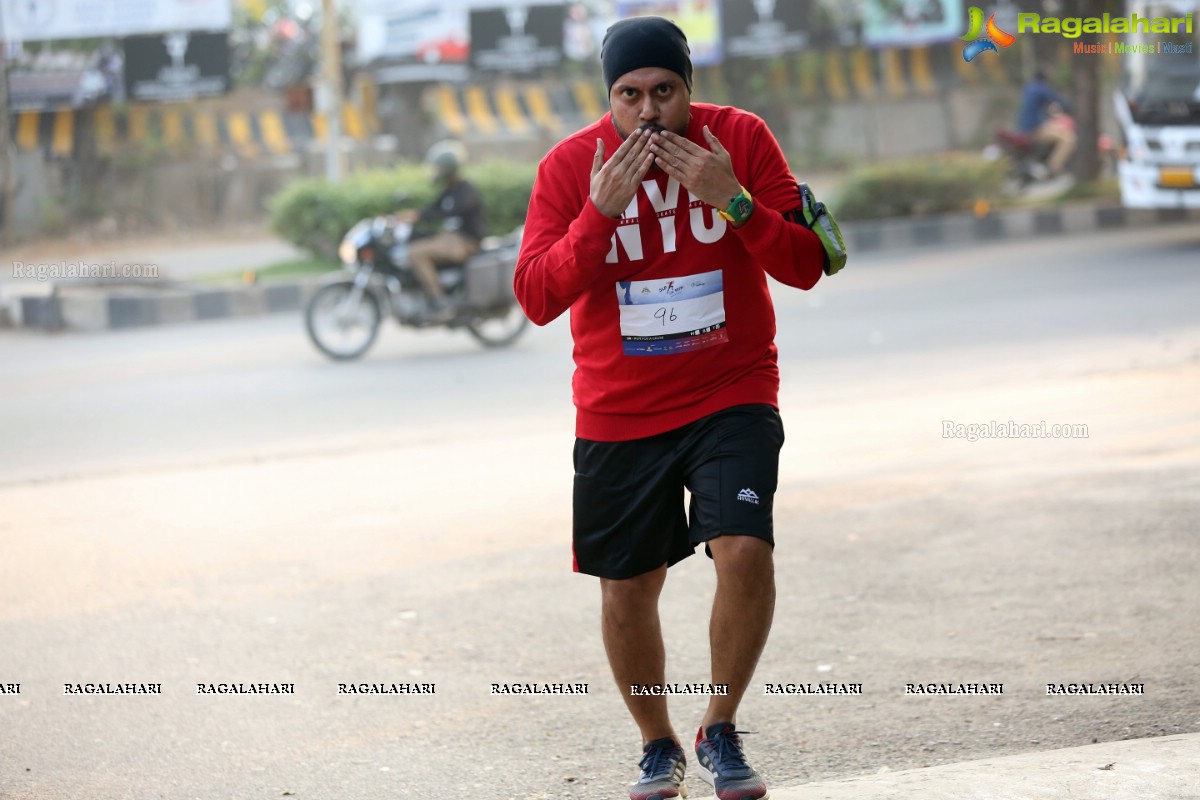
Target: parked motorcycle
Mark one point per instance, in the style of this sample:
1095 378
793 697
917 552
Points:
344 315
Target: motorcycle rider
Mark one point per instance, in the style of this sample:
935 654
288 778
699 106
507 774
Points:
457 212
1034 120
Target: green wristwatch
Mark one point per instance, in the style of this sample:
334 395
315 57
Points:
739 208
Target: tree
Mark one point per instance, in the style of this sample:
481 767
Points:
1085 79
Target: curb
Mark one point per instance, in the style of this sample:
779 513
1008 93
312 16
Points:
1162 768
864 237
92 307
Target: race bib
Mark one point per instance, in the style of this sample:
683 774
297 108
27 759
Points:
674 315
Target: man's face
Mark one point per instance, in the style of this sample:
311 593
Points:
650 97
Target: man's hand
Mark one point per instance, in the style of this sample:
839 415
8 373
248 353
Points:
708 174
615 182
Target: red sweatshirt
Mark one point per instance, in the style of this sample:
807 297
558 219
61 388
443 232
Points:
670 311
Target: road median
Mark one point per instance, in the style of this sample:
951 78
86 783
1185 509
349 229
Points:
94 306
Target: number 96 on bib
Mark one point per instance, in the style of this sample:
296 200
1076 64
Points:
672 315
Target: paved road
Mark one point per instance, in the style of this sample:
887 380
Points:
215 503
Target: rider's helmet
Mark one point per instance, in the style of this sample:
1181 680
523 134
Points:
447 158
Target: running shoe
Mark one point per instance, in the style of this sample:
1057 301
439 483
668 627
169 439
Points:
663 765
723 764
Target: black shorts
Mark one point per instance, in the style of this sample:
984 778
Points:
628 511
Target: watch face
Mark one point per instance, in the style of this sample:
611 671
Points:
739 208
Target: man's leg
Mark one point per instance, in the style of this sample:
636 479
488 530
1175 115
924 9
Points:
424 255
741 618
629 520
1064 148
1063 144
633 640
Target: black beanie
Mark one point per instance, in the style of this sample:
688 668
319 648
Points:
645 42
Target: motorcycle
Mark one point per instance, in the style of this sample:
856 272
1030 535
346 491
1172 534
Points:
1026 157
344 315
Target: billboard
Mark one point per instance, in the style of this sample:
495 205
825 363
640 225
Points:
766 28
912 24
421 40
43 20
699 19
517 37
176 66
46 80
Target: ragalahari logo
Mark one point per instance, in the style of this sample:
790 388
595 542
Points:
977 43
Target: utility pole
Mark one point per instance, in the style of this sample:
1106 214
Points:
6 192
331 78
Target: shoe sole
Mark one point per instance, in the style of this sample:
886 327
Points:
682 794
711 780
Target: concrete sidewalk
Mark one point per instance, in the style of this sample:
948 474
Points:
1166 768
182 257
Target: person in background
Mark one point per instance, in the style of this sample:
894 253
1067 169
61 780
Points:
457 214
1035 120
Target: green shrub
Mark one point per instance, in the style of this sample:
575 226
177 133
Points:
506 187
315 215
54 218
1099 189
919 186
